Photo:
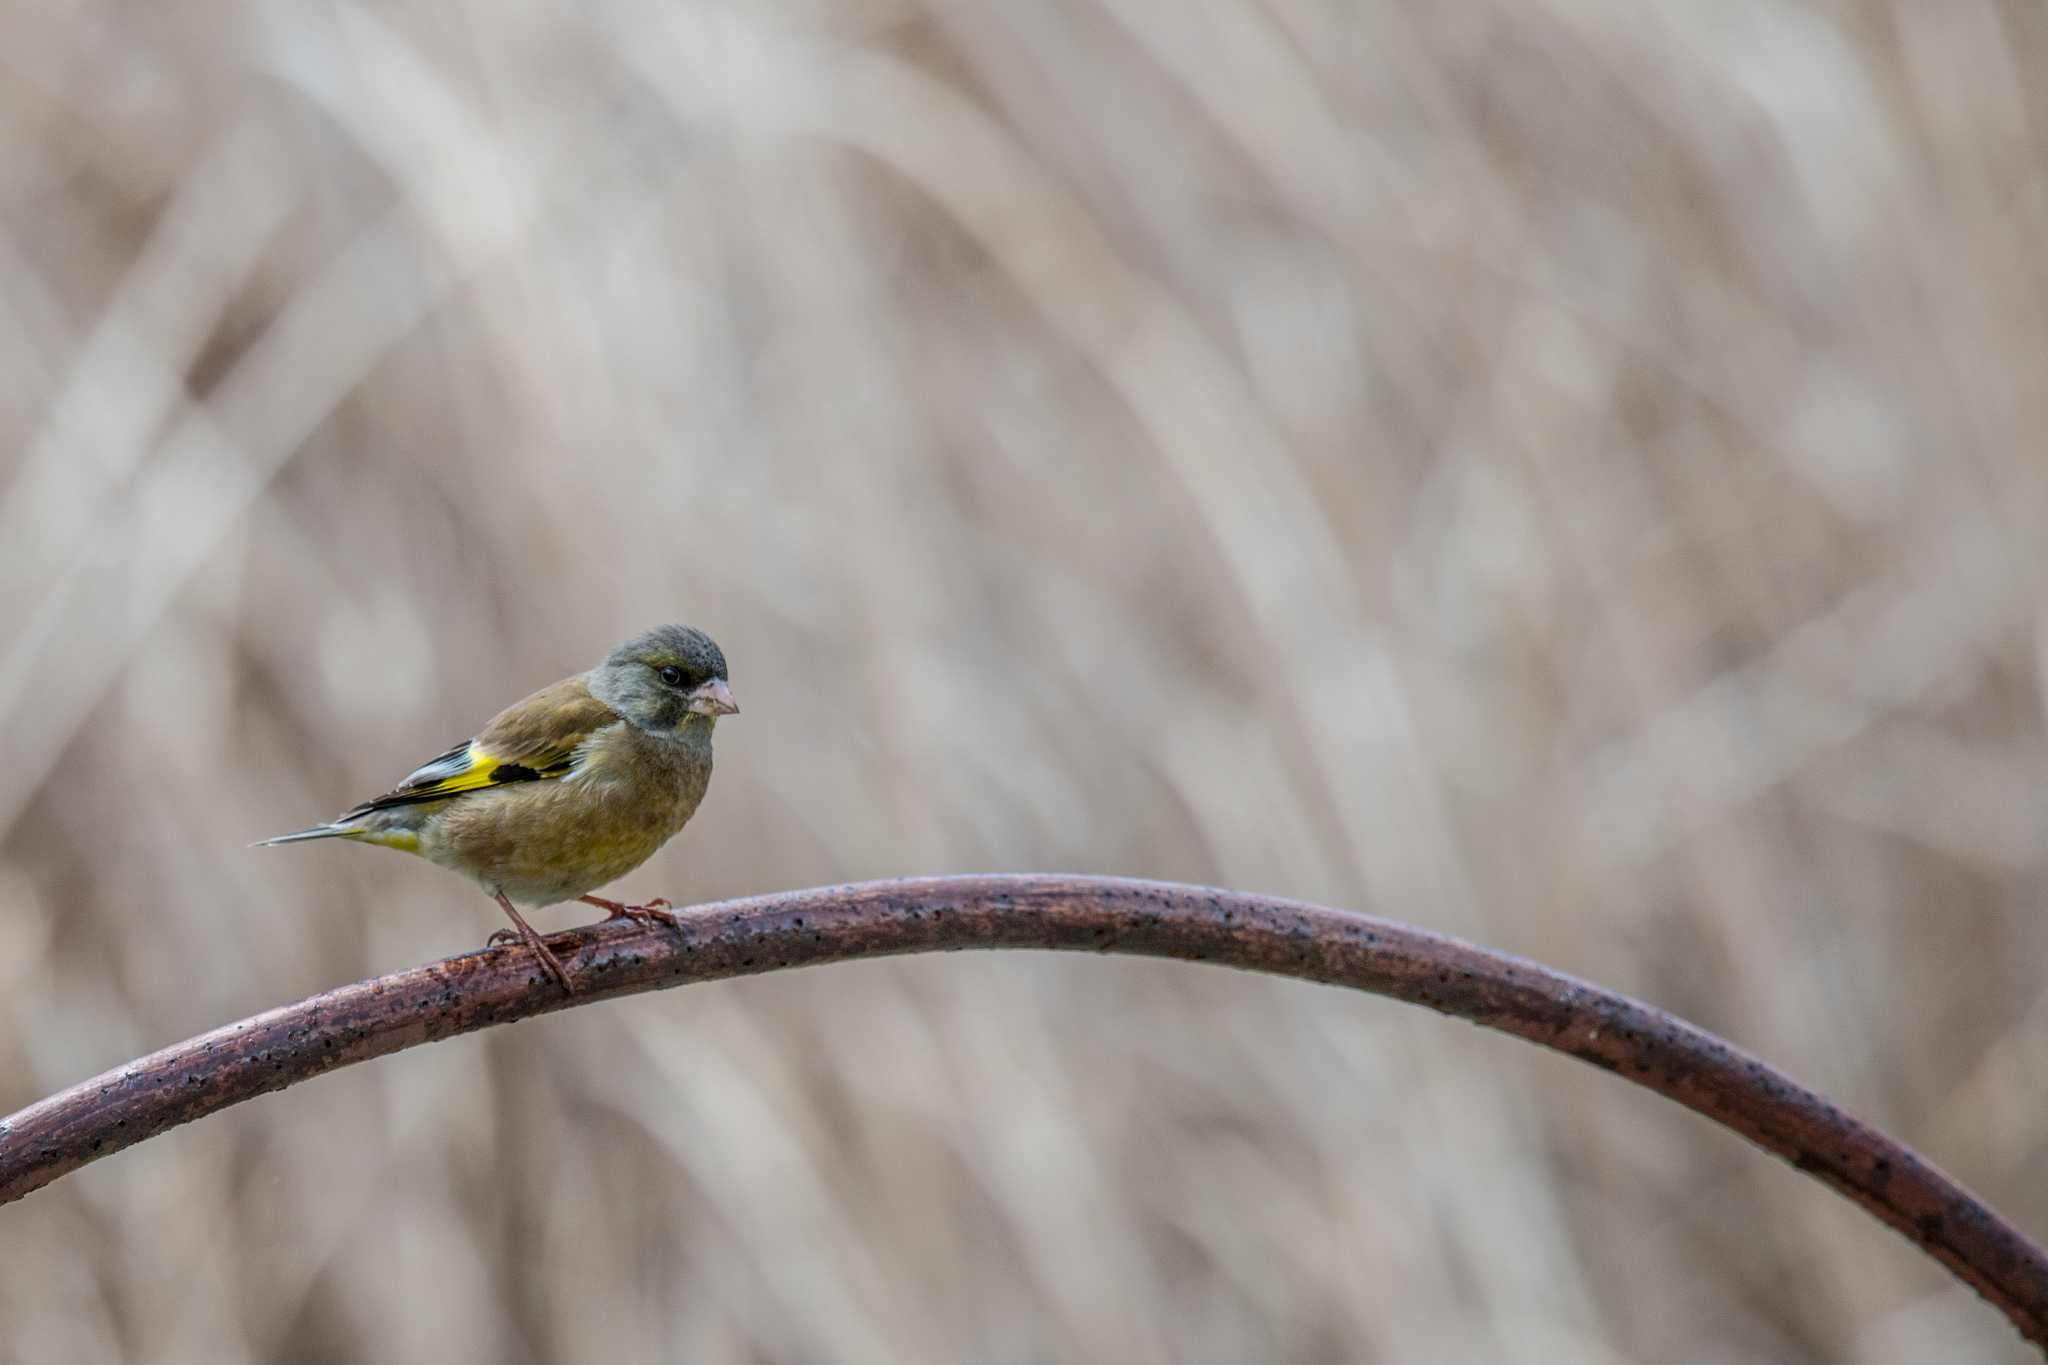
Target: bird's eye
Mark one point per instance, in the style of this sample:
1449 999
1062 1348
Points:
671 675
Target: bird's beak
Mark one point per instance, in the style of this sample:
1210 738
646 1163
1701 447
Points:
714 699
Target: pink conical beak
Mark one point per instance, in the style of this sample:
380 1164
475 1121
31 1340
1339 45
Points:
714 699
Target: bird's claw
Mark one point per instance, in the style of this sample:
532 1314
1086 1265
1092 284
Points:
657 911
660 911
534 941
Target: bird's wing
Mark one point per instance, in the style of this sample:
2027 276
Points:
529 741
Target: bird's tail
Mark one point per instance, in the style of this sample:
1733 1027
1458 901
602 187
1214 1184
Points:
316 832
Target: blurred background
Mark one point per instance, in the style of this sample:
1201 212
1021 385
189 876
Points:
1565 472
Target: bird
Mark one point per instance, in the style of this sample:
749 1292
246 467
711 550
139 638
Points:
571 788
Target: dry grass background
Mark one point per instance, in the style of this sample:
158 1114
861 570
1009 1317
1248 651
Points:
1566 472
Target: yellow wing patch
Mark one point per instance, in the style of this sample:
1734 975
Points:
464 768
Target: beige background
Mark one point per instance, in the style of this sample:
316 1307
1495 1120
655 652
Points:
1566 472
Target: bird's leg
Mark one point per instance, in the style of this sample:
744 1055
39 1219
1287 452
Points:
656 911
533 941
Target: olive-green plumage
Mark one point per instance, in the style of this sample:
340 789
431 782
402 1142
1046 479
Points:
571 788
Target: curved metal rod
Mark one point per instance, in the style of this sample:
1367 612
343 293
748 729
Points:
1098 914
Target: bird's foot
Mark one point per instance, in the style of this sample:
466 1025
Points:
533 941
657 911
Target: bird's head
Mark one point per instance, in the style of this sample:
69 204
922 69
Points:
665 679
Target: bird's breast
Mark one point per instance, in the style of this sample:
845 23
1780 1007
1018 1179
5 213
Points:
664 774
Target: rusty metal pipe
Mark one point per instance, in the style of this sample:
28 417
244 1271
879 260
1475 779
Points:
1089 914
